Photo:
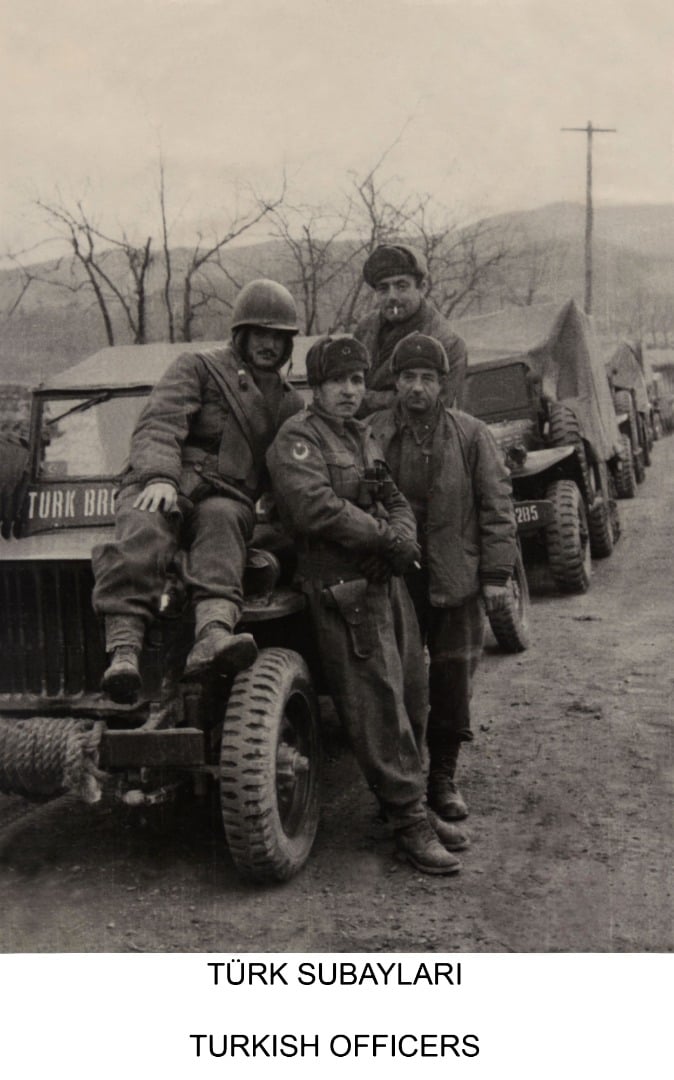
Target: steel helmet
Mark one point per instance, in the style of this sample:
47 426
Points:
265 303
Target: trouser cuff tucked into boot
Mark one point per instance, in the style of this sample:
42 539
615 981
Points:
124 630
443 795
401 815
215 611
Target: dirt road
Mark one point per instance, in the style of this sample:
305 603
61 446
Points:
570 781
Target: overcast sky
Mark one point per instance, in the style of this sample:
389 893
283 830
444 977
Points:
93 89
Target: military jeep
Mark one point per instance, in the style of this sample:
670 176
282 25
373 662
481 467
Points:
252 739
535 378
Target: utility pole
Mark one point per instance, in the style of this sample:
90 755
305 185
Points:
590 131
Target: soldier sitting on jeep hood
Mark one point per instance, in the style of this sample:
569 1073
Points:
196 468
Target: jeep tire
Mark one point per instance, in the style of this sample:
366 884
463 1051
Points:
270 766
567 538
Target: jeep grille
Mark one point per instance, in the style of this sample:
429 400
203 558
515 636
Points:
50 643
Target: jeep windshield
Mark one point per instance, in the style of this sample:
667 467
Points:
86 436
497 393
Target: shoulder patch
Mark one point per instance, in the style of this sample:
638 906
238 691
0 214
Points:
299 450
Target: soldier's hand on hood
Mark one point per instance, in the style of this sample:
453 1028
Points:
157 495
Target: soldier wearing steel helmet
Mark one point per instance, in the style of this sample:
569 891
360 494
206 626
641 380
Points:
196 468
398 274
355 535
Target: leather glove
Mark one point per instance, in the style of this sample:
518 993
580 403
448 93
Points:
376 569
401 553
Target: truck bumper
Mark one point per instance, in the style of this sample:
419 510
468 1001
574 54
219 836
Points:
178 747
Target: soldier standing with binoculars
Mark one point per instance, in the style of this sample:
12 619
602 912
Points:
356 535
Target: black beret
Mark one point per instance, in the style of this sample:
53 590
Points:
419 351
387 260
329 358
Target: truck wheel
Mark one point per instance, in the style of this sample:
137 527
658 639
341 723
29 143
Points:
600 529
564 430
567 538
645 440
624 476
510 627
269 767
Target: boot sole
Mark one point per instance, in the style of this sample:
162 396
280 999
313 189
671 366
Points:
122 687
456 814
424 868
462 846
238 656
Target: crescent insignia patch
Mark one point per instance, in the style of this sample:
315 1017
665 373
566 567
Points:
300 451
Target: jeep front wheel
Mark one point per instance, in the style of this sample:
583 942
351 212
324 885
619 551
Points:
269 767
567 538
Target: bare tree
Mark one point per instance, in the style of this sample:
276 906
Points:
318 250
93 268
463 260
377 217
207 279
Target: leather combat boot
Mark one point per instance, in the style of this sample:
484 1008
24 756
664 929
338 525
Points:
445 798
419 845
220 651
443 795
121 680
449 836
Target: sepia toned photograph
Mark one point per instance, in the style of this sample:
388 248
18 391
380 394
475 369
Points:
336 477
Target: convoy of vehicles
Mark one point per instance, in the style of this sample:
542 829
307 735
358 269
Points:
534 376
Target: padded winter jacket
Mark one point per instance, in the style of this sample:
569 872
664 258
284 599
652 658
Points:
209 421
470 521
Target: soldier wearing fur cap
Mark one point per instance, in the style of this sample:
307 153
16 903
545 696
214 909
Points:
448 466
355 536
397 274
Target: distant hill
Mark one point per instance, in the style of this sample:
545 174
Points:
56 326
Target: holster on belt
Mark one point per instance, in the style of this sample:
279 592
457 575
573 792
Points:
351 600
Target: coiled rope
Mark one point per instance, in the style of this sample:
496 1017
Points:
45 756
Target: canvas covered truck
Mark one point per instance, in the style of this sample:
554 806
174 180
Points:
634 414
659 372
252 739
536 377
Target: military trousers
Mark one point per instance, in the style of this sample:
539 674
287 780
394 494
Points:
373 663
454 637
212 534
